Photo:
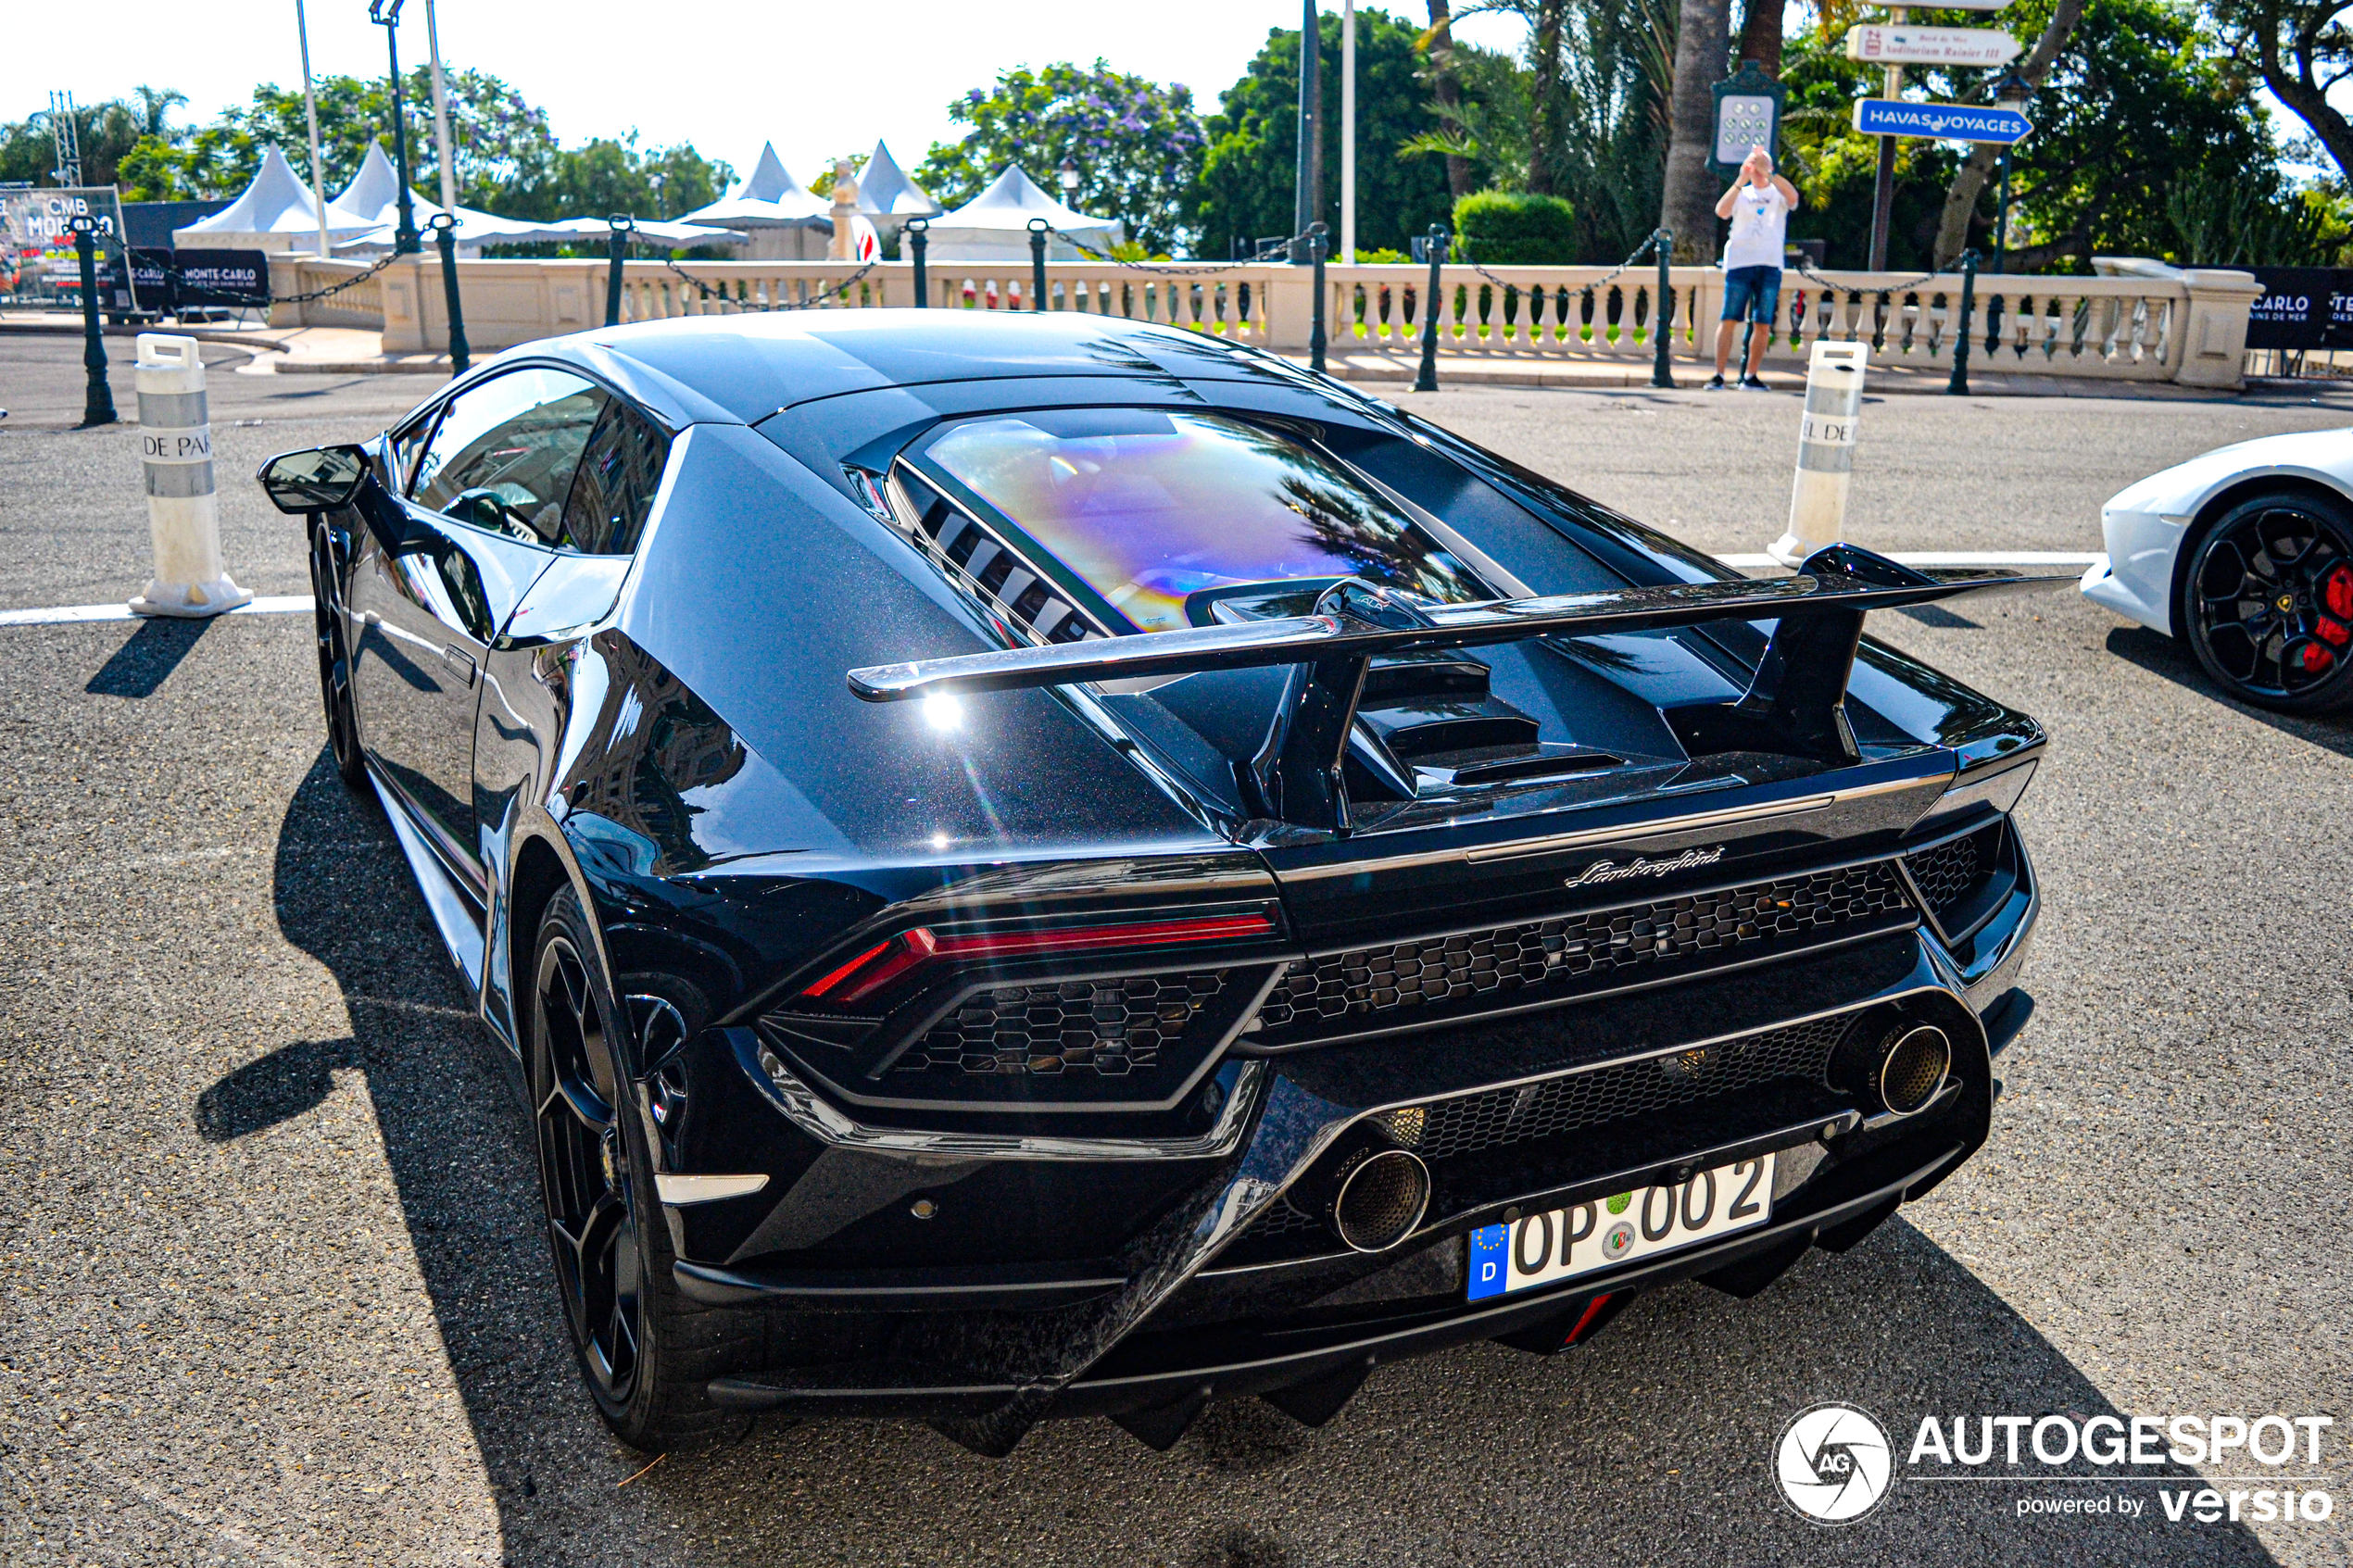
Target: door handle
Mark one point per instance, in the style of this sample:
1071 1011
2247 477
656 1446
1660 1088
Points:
459 661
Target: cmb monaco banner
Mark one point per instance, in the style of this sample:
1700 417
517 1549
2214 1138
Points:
38 263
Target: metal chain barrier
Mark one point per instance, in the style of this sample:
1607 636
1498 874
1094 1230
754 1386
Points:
1173 269
1806 270
1607 278
248 301
816 301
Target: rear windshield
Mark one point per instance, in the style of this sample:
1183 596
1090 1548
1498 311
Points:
1147 507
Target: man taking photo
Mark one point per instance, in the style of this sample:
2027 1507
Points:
1759 205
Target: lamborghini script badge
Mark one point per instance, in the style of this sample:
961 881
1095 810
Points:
1610 871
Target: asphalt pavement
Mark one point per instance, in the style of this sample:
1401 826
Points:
273 1287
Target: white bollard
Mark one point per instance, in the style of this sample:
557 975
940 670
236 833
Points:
184 510
1825 451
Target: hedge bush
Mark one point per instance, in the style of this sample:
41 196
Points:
1505 228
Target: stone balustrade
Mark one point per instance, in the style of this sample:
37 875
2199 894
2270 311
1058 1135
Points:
2190 328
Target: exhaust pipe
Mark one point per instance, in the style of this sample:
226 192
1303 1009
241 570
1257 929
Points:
1900 1071
1371 1196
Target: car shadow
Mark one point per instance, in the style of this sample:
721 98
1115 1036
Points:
1651 1443
2161 655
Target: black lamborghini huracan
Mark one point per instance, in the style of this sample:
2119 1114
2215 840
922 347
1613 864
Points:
1041 865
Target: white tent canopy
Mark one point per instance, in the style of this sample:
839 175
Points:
994 225
277 211
375 190
771 198
374 193
883 190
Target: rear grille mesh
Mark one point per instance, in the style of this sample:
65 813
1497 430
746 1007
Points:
1948 872
1515 964
1106 1028
1584 1100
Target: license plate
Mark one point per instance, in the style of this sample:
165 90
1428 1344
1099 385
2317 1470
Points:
1540 1249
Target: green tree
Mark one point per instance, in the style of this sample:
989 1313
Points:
508 159
606 176
108 132
1250 178
2302 50
1605 128
1136 146
2140 102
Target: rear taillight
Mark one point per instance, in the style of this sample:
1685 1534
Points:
886 961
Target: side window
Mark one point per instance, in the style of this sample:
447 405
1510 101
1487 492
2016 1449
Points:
614 490
504 453
406 444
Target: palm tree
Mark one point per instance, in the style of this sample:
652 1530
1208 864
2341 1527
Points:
1688 204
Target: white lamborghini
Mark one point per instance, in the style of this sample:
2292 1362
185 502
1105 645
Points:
2246 555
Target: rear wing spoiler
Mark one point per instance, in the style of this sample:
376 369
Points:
1795 705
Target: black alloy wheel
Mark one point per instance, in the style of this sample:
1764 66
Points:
334 667
2266 601
591 1184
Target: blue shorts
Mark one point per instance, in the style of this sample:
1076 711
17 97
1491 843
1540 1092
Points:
1751 293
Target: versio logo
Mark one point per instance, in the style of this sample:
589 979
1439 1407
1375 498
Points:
1832 1463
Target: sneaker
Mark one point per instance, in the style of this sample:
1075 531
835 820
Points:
1754 383
1715 384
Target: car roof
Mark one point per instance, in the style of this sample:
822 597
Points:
753 364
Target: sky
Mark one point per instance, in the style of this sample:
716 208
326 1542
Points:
819 81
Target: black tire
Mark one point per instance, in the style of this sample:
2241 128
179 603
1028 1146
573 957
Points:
2266 601
334 670
646 1352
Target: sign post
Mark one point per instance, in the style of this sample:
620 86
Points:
1896 43
1883 182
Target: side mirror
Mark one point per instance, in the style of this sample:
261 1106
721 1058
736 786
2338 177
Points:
318 480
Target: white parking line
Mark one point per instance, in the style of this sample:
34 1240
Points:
293 604
61 615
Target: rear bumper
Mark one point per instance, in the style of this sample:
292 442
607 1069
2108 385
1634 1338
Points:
1154 1371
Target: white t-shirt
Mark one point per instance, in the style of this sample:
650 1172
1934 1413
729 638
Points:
1760 227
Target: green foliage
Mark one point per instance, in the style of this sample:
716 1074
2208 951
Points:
1833 167
2252 223
1249 180
1136 146
2140 105
1613 75
507 160
1508 228
109 132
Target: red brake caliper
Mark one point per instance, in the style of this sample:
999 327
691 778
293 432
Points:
2336 597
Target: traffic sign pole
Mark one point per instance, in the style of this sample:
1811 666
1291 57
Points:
1883 186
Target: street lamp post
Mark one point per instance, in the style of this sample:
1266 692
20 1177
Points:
1309 203
1348 131
97 397
405 241
1318 241
621 223
918 241
445 235
2013 92
1426 380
